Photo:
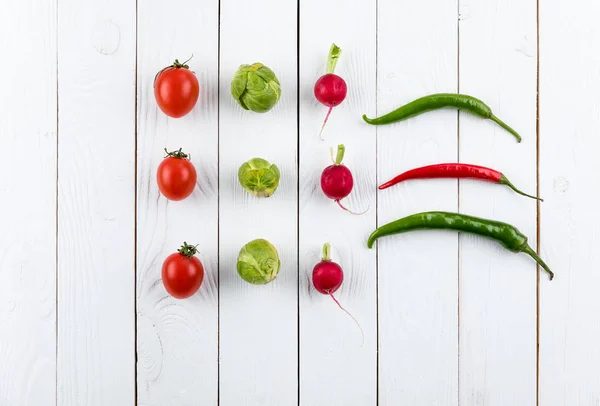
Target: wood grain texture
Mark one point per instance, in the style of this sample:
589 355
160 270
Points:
258 324
177 339
28 203
497 287
569 124
334 368
418 272
96 82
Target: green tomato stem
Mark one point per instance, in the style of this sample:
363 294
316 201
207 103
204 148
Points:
340 154
175 65
326 249
334 54
187 250
176 154
184 65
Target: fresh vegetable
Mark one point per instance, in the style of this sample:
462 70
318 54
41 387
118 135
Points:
255 87
336 179
182 272
176 175
258 262
437 101
327 277
455 170
259 177
505 234
176 89
330 89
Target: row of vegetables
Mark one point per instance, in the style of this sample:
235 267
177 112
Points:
256 88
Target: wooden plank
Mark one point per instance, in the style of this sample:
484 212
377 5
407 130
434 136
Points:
177 339
96 188
418 272
28 205
569 120
258 324
334 367
497 287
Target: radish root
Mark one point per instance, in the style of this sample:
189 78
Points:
356 321
325 122
350 211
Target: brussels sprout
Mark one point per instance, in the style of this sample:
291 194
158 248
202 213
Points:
258 262
259 177
255 87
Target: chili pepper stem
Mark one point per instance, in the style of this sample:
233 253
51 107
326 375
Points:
350 211
325 122
348 313
505 181
528 250
506 127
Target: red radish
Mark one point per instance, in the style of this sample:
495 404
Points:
327 278
330 89
336 179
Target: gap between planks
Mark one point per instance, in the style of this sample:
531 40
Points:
298 194
56 222
218 204
135 214
538 207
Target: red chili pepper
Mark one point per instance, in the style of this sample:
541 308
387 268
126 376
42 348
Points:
455 171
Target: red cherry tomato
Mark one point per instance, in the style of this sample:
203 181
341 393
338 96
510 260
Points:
176 176
182 272
176 89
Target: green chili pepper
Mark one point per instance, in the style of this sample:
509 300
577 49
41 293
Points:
508 236
438 101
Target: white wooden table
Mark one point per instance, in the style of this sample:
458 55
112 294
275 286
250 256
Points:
448 319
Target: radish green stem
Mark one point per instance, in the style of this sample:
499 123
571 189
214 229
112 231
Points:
348 313
326 250
334 54
340 154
